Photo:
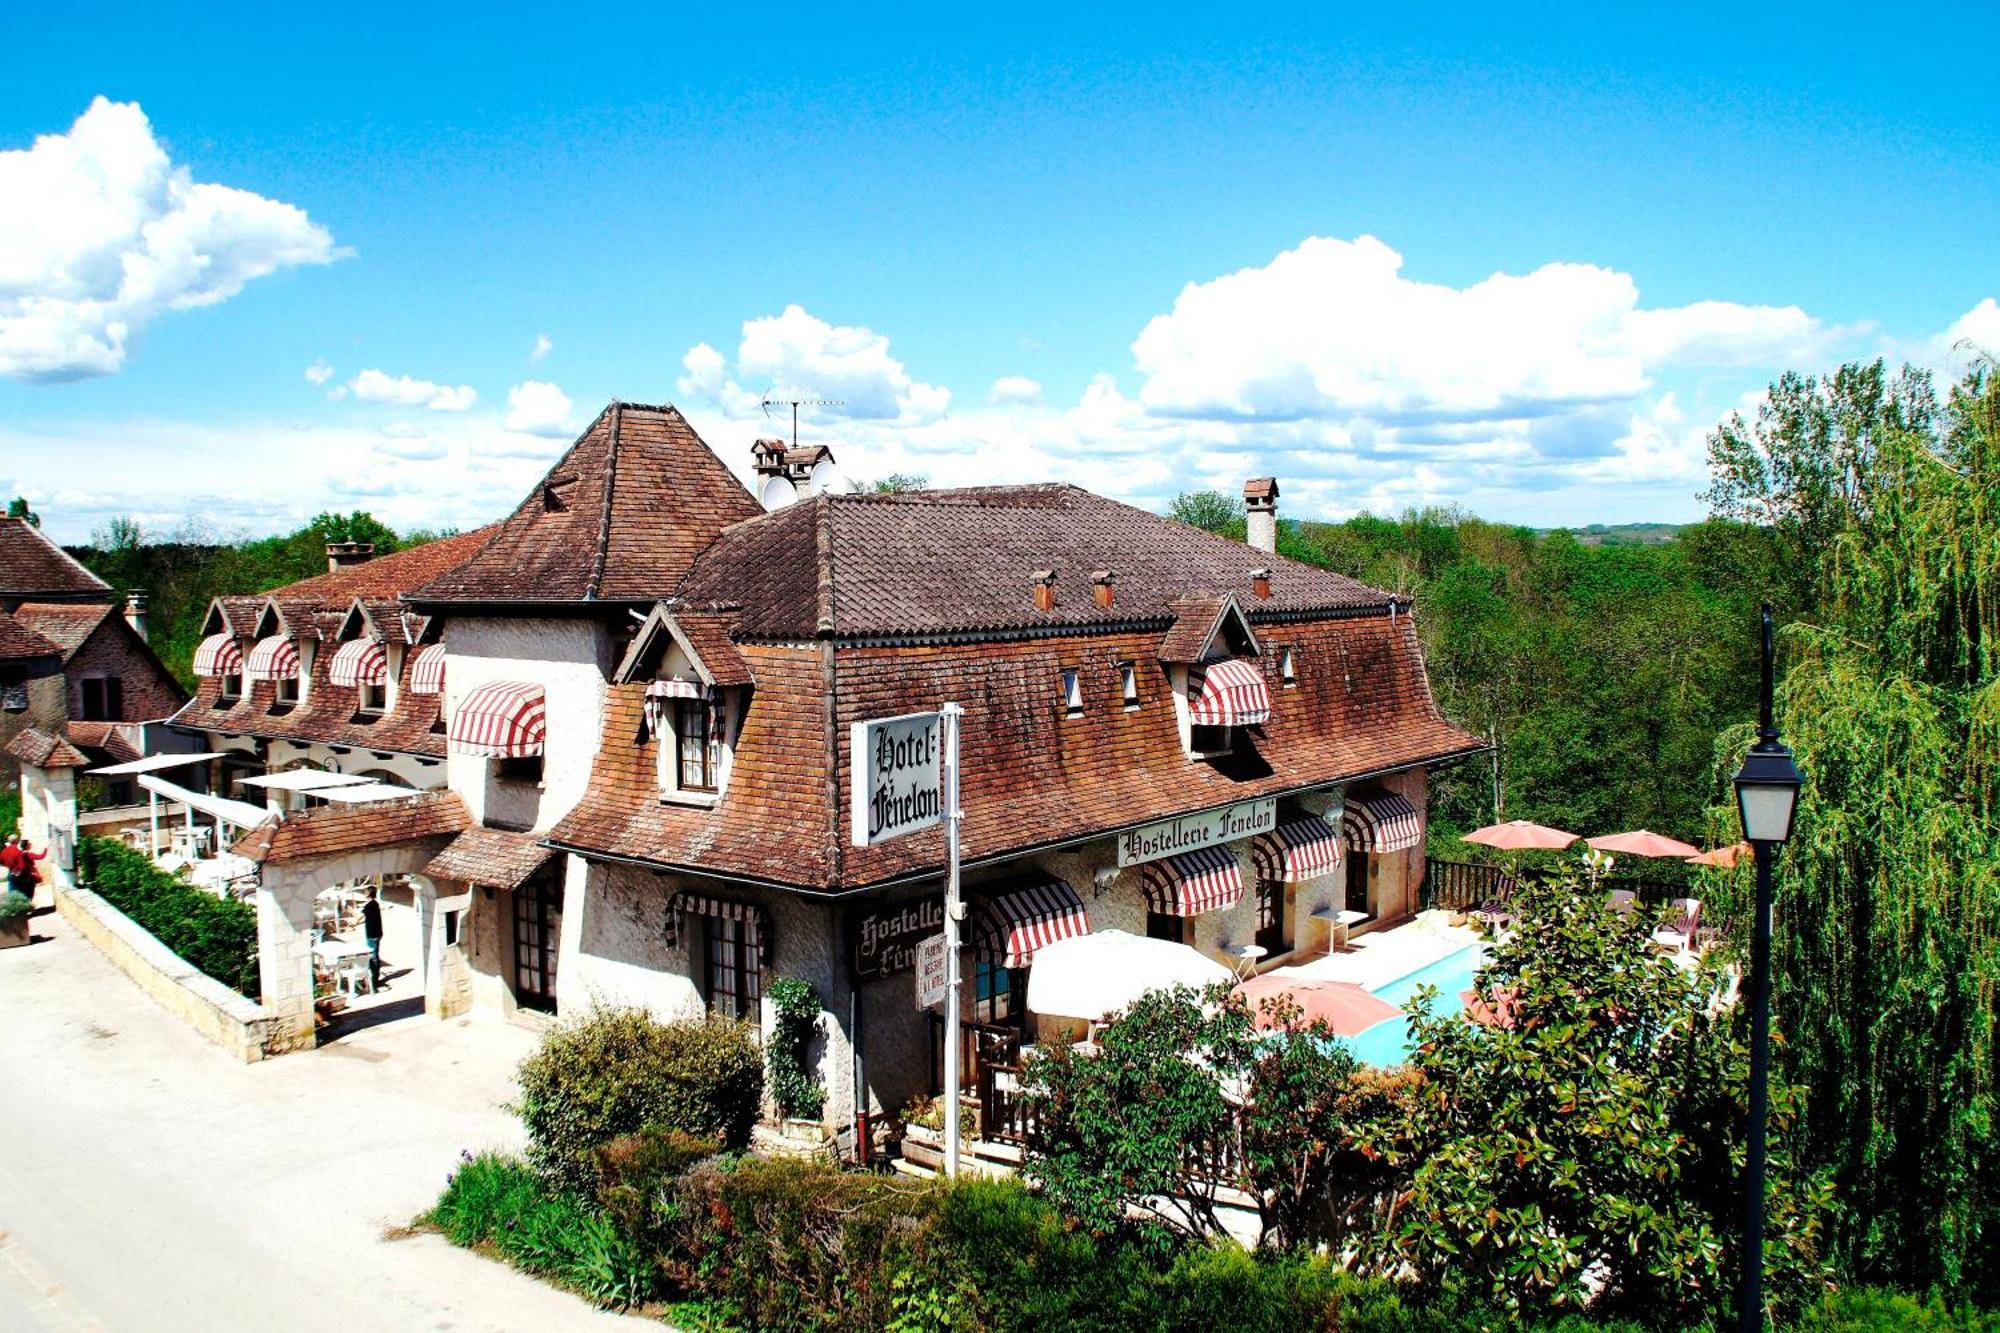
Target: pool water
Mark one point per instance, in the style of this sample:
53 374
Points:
1388 1042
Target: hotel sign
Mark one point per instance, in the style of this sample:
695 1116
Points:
1190 833
885 942
898 776
933 972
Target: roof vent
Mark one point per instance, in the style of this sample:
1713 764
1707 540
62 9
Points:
1045 589
345 555
1260 582
1103 586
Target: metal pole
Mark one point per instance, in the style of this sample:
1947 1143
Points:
1751 1318
948 725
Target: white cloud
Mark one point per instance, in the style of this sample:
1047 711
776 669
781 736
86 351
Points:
374 386
795 355
319 372
404 442
1973 335
541 349
536 407
1014 389
100 234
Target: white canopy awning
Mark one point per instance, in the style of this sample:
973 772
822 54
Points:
240 813
370 791
153 763
1092 976
306 779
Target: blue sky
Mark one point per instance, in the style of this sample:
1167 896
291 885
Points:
1141 249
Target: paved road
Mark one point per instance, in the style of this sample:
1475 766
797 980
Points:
148 1182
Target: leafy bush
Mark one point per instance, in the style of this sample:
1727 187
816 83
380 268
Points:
614 1071
499 1201
1875 1310
793 1088
633 1171
217 935
14 905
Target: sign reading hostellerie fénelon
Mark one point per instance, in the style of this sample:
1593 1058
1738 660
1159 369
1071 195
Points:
1188 833
885 941
898 786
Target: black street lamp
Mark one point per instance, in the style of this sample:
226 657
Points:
1767 798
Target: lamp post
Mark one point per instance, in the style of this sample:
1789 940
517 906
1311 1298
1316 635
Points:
1767 798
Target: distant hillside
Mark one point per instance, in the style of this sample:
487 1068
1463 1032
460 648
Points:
1623 534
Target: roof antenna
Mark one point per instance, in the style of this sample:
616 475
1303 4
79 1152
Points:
771 400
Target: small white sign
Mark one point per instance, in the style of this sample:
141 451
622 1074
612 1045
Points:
1189 833
898 776
931 971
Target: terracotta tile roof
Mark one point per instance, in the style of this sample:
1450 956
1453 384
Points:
334 829
38 748
385 577
114 739
1188 638
495 857
926 563
620 517
1032 776
18 643
32 566
330 714
65 624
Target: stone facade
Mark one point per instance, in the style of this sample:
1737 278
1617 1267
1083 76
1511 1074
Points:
48 819
47 710
114 651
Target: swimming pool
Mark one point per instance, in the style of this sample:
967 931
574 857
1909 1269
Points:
1388 1042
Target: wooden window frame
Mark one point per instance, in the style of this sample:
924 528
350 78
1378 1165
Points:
731 954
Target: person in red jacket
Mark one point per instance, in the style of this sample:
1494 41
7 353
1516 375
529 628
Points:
21 873
10 857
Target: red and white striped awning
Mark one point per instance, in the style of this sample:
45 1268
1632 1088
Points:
219 655
274 658
1298 850
1024 917
501 719
1229 694
685 904
359 662
427 672
1207 880
1384 823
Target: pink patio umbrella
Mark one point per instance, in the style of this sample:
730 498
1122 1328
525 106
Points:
1519 835
1723 857
1644 843
1347 1009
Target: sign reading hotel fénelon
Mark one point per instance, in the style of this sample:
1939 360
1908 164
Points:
1190 833
898 776
886 941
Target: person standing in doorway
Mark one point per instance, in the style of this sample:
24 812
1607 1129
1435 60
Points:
371 930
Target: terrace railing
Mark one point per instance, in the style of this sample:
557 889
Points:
1460 886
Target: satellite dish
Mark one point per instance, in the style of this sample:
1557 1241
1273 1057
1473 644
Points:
822 476
779 492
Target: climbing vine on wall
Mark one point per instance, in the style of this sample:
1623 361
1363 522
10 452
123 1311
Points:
798 1094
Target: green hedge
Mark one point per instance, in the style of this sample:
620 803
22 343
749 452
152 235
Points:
217 935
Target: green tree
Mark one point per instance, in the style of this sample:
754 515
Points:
1211 511
18 508
1583 1150
896 483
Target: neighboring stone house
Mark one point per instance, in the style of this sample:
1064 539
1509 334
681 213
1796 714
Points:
111 687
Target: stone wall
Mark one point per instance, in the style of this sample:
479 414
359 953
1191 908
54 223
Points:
113 650
47 709
571 660
234 1022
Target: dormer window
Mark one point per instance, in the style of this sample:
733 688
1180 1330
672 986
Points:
1072 692
1222 696
690 720
1128 684
695 746
221 656
1287 668
287 688
374 698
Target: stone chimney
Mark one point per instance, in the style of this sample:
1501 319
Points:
1103 587
1260 509
1045 589
1260 583
135 611
346 555
768 458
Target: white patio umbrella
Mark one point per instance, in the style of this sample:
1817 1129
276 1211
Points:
1091 976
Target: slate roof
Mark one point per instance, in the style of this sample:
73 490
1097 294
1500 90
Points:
40 749
1032 776
930 563
495 857
34 568
620 517
332 829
